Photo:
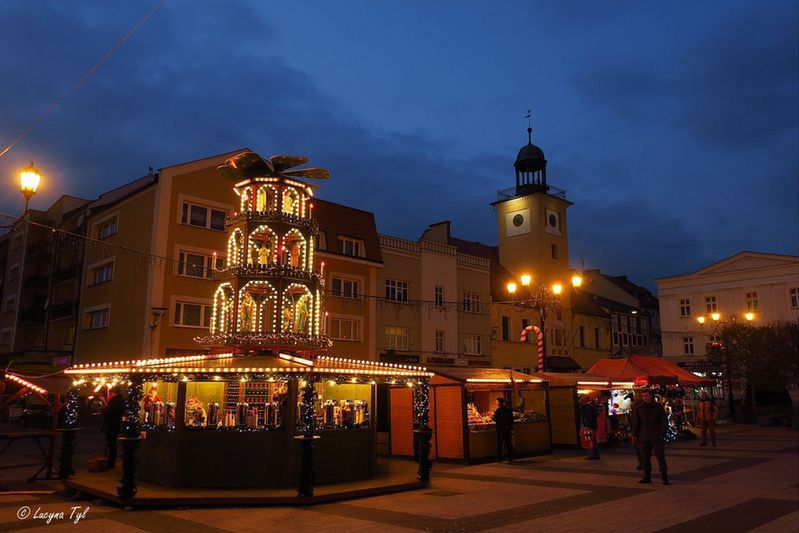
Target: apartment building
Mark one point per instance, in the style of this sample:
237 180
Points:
138 303
433 304
761 285
39 283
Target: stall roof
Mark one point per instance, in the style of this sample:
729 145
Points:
483 375
568 379
42 384
655 369
230 365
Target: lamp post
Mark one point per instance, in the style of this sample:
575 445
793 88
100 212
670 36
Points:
717 324
544 299
29 178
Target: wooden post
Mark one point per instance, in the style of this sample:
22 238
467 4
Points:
180 407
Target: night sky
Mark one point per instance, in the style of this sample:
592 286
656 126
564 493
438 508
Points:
671 125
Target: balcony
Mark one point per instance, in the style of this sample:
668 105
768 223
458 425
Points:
523 190
273 216
268 271
61 310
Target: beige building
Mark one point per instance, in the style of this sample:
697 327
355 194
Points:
765 285
433 301
135 302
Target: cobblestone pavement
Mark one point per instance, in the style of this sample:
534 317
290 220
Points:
750 482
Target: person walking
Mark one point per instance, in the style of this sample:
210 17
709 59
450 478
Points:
649 429
503 417
706 414
112 420
589 419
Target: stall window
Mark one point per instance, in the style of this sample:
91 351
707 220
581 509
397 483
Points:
343 405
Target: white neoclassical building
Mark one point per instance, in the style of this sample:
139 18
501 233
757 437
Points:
757 286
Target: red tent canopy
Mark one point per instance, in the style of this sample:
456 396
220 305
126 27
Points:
656 370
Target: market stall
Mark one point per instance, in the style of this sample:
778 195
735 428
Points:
564 392
462 401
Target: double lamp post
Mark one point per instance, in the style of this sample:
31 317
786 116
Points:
544 299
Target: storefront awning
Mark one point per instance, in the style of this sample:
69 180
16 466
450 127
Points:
653 370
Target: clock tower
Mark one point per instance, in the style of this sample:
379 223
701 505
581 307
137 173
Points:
533 236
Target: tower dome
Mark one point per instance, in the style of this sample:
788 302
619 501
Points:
531 166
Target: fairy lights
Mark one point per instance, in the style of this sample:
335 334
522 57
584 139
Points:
26 384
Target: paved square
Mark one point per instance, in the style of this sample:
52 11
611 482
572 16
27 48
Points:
750 482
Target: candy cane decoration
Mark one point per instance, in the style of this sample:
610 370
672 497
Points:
540 334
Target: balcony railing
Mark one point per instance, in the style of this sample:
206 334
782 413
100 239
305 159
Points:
268 271
273 216
522 190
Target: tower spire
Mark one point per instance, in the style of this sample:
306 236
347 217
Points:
529 118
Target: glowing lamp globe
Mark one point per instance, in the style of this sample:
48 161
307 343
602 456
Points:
29 178
715 317
750 316
511 287
526 279
557 288
577 281
700 319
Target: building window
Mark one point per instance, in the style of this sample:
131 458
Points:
472 344
192 315
196 265
397 338
625 339
396 291
344 329
102 273
5 337
582 336
751 302
107 228
13 273
597 338
554 251
97 319
688 345
505 328
794 293
615 338
558 337
345 288
439 341
710 304
321 241
351 247
10 305
527 336
471 302
685 307
203 217
438 297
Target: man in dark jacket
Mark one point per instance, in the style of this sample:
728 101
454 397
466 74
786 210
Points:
588 418
112 420
503 417
649 427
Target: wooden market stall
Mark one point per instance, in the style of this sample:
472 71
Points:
564 391
462 401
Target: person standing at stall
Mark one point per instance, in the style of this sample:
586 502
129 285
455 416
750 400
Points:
706 414
589 419
649 428
112 420
503 417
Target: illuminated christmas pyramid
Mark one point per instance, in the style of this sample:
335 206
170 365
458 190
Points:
269 299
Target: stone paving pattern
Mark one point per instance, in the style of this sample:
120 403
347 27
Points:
748 483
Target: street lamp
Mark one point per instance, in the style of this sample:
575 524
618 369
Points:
542 298
29 178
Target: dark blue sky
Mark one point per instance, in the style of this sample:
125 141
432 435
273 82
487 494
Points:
672 126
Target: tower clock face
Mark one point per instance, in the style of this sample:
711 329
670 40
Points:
517 222
553 220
